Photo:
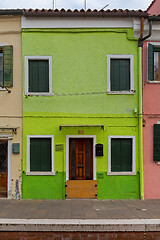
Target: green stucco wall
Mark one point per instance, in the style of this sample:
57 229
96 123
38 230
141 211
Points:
117 187
44 187
79 77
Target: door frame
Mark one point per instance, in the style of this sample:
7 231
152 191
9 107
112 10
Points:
67 153
8 139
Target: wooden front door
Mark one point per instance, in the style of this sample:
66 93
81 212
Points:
81 159
3 168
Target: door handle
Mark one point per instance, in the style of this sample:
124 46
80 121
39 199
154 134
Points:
80 166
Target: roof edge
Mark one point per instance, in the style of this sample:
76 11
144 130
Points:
11 11
150 5
82 13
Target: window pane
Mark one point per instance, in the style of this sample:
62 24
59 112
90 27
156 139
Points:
73 158
121 155
1 68
38 76
89 160
40 154
120 74
3 156
156 64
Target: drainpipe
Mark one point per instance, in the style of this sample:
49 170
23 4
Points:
140 123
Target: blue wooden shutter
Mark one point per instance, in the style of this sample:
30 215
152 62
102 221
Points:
8 66
150 62
156 147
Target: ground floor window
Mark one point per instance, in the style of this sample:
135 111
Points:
121 154
40 153
156 144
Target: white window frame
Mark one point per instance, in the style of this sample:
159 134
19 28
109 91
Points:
28 155
133 172
27 58
68 137
154 44
131 58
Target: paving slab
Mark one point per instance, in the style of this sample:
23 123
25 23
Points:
79 215
80 209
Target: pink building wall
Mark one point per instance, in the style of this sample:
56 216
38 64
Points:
154 8
151 112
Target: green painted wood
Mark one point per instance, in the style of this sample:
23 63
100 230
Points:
38 76
40 154
150 62
120 74
121 155
8 66
156 147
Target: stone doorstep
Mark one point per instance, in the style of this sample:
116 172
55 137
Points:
80 225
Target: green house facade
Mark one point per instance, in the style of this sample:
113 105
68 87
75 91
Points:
81 105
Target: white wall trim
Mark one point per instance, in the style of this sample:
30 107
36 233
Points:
40 173
133 155
121 173
28 154
112 56
8 137
69 22
67 153
26 59
9 168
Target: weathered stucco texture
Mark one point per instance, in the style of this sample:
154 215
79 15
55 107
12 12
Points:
79 76
151 112
11 107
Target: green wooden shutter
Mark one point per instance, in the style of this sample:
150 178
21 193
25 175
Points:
150 62
121 155
156 147
120 74
8 66
38 76
40 154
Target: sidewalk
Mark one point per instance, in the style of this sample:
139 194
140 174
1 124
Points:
79 215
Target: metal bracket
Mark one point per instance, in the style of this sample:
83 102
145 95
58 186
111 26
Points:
9 91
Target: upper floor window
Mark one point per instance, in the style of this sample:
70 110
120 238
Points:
153 62
38 75
120 74
1 66
6 66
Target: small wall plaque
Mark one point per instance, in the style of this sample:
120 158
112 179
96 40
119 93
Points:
16 148
80 131
59 147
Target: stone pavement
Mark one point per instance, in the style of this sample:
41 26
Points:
79 215
79 209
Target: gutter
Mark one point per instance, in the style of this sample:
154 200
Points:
140 123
